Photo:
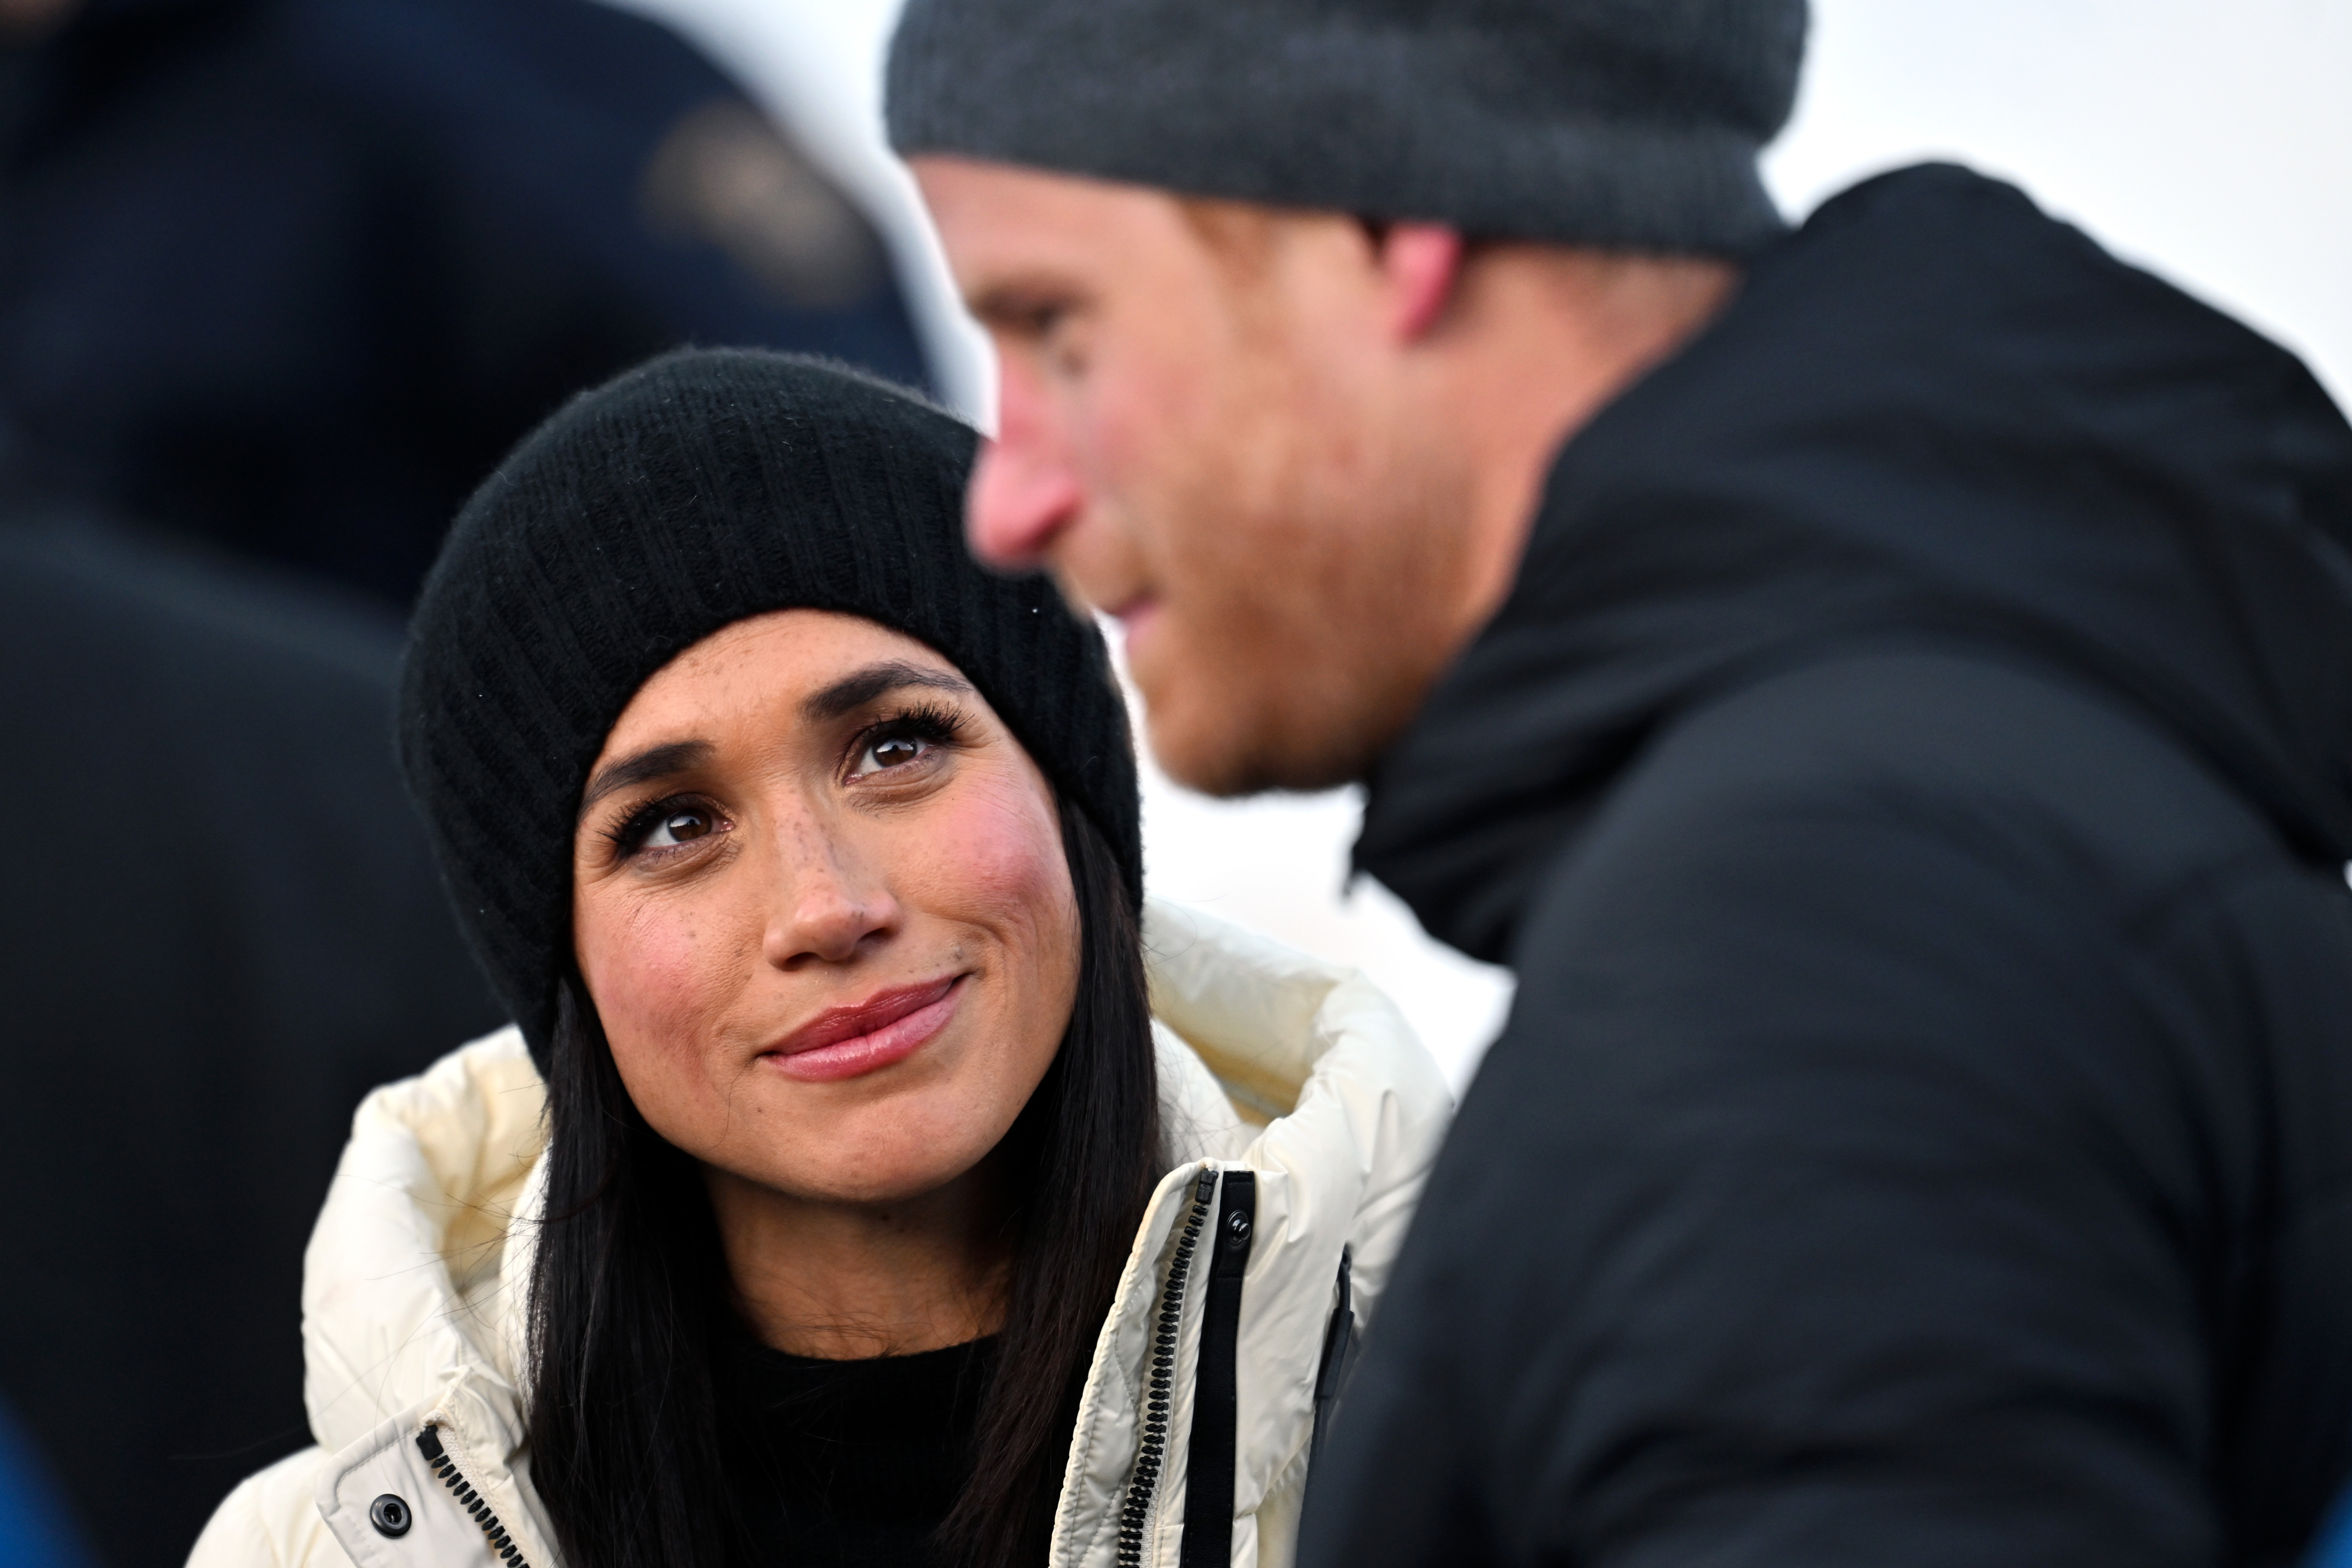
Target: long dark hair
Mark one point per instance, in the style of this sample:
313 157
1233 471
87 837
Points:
629 1294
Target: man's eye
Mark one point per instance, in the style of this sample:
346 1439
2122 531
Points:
678 828
889 752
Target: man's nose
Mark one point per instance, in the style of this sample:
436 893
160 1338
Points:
1023 493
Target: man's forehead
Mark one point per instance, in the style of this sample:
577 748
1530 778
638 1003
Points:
995 216
961 178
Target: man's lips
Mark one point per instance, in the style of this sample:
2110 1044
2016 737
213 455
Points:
1135 615
887 1026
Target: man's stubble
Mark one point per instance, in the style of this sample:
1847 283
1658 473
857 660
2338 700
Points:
1311 586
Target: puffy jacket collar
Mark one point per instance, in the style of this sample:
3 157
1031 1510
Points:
412 1293
1933 412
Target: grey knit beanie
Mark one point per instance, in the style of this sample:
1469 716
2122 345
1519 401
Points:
704 488
1632 124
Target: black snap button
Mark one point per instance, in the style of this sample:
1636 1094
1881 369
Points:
390 1515
1237 1227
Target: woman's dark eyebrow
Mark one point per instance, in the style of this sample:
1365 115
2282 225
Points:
653 763
858 688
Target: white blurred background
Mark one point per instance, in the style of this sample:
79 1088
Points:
2210 140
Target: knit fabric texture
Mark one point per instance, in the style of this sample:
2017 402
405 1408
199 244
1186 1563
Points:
697 490
1630 124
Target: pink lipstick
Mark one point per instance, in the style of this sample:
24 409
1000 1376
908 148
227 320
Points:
887 1026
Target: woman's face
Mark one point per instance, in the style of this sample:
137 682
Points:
822 906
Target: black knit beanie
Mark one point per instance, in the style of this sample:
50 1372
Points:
706 487
1626 123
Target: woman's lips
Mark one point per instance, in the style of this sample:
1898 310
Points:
889 1027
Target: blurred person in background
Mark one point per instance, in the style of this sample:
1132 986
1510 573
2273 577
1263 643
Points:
1886 689
291 274
230 928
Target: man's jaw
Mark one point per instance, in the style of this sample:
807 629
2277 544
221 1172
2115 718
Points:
1206 721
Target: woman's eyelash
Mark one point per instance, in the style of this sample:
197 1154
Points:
632 830
934 723
929 722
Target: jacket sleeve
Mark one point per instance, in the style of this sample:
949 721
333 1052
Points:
1833 1197
271 1521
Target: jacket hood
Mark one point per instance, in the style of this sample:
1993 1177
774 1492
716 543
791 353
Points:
1934 414
1270 1062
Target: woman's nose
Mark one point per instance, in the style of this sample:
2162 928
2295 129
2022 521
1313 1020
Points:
832 908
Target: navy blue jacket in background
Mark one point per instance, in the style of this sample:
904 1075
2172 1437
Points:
293 273
1912 779
220 926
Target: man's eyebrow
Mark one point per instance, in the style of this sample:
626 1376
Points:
653 763
858 688
1018 305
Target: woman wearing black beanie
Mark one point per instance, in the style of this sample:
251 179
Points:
870 1177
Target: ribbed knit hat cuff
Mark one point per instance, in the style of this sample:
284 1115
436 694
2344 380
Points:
1340 108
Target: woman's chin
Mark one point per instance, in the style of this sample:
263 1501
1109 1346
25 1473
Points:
882 1189
897 1164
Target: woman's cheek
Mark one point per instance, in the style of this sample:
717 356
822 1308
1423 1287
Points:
654 980
995 856
996 864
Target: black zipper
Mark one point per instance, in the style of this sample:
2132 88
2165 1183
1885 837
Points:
1216 1393
1159 1386
428 1443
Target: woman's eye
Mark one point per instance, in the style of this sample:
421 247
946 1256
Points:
678 828
889 752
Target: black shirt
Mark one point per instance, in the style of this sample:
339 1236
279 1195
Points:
849 1464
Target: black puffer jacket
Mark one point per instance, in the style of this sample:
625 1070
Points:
1912 778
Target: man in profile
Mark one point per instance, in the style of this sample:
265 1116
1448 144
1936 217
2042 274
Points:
1886 689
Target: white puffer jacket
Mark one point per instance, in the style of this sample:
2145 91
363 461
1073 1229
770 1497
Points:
1295 1094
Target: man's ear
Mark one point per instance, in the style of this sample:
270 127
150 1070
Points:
1422 262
